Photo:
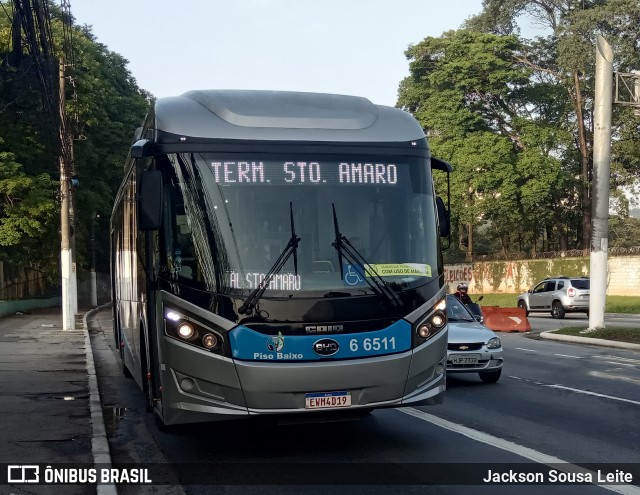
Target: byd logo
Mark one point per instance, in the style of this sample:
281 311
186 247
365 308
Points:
326 347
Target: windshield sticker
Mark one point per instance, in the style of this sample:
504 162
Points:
398 269
251 280
353 275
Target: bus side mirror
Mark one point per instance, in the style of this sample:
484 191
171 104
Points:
150 200
142 148
443 218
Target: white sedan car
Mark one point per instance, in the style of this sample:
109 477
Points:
472 348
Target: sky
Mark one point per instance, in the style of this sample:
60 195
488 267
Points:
351 47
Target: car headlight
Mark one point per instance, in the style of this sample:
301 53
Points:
494 343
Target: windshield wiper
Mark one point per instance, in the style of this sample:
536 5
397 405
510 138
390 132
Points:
290 248
347 250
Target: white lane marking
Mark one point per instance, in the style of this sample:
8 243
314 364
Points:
621 378
617 358
523 349
597 374
621 364
514 448
569 356
586 392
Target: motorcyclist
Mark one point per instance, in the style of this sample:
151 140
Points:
462 294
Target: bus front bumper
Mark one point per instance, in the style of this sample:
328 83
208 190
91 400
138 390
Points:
198 386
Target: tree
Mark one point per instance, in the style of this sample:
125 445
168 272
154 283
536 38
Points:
27 213
105 106
564 57
478 106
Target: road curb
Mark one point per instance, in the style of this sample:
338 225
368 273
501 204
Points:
551 335
99 443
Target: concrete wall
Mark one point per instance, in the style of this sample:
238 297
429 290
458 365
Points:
514 277
14 306
24 294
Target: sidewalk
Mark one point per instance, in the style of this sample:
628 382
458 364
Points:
46 397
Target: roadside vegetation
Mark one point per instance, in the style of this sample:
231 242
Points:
615 304
630 335
514 116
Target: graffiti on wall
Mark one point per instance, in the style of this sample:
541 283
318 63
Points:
501 276
454 274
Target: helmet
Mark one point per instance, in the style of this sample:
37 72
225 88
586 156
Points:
462 287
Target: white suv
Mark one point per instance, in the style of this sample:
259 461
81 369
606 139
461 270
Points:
558 295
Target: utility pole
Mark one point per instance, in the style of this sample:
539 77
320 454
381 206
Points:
603 103
67 265
94 278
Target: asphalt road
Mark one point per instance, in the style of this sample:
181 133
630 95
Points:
555 402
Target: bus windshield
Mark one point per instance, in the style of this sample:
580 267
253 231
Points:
228 217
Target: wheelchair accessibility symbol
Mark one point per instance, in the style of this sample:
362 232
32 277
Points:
353 275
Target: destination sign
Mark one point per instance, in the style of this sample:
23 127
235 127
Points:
304 173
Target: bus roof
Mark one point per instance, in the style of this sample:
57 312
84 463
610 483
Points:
280 116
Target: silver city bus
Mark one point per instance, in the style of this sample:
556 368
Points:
279 253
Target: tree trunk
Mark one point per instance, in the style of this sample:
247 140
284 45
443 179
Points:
470 244
586 164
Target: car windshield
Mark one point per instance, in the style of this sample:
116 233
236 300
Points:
580 283
228 218
456 311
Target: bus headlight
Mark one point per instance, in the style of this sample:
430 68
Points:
186 331
209 341
189 330
429 326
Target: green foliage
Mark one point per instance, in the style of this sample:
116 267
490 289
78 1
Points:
27 211
624 232
618 334
497 299
104 106
478 106
560 94
514 117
